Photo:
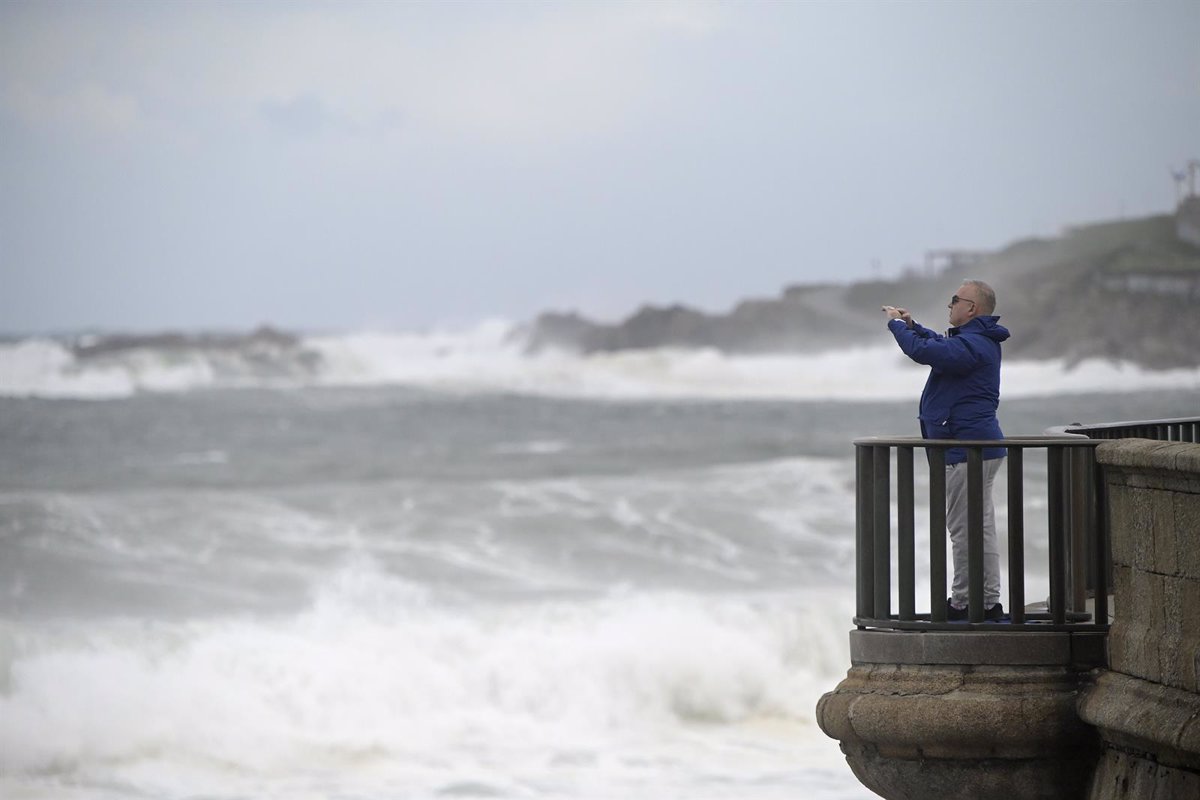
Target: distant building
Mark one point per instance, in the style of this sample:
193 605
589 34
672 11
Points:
1179 285
1152 268
940 261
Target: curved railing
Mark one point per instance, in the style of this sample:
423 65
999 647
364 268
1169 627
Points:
1076 527
1077 532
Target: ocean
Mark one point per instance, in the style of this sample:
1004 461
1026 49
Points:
430 566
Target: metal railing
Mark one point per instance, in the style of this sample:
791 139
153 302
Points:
1185 429
1080 559
1076 529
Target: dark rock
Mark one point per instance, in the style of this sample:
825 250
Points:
551 329
1126 290
111 344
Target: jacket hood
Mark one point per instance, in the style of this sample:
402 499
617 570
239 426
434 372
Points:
986 326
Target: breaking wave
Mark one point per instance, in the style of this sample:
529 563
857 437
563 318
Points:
379 686
491 357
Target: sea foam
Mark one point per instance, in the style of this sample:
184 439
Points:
490 357
374 683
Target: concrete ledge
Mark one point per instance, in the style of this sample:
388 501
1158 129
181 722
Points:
1009 648
1142 454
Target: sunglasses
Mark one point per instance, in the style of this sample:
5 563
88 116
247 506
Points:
955 300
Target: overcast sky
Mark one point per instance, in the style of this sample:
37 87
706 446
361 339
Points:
400 166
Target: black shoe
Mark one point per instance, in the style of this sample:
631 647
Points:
955 614
993 614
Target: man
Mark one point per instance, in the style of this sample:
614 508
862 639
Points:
959 402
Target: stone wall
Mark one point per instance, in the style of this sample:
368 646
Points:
1146 706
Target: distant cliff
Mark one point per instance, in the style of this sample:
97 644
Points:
1126 290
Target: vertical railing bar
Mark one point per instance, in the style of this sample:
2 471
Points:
1102 553
1016 534
883 533
906 534
1056 533
864 529
1079 509
975 533
1085 468
937 533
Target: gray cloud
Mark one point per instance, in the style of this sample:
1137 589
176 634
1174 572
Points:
302 116
338 165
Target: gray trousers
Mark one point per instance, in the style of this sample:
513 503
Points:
956 523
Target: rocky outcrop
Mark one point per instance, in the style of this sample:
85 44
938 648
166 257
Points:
1124 290
263 338
804 319
264 353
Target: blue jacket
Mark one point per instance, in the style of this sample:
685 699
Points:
963 390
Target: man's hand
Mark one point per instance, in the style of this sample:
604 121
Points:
898 313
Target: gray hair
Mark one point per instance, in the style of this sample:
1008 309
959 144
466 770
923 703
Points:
987 295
